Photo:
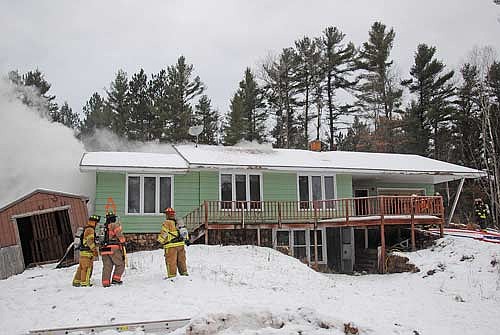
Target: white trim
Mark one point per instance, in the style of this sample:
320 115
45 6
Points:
309 185
43 211
309 244
247 174
159 211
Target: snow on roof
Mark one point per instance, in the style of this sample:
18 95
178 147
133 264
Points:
292 159
264 157
131 161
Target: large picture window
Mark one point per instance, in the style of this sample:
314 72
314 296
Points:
244 188
147 194
315 188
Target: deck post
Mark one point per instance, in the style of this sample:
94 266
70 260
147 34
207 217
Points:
347 203
441 226
279 214
382 234
258 236
315 238
413 247
205 204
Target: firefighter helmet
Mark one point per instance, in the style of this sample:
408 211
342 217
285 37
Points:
95 218
170 212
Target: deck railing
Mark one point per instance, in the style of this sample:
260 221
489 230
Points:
279 212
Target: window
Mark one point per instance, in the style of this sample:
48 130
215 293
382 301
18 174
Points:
148 194
300 242
316 188
243 189
320 245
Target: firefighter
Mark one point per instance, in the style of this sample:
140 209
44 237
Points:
88 253
481 212
173 240
112 252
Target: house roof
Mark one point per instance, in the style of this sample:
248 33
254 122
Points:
45 191
132 161
266 158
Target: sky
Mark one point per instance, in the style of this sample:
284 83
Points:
80 45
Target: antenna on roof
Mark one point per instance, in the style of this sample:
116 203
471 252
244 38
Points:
195 131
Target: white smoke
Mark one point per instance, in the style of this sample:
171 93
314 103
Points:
36 153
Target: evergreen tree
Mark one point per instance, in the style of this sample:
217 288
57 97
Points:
66 116
118 103
378 92
209 119
142 116
160 105
182 88
358 137
254 113
281 95
337 62
96 115
430 113
308 76
236 121
39 97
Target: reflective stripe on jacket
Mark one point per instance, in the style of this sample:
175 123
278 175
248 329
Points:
115 239
169 235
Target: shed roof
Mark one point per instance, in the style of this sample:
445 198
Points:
45 191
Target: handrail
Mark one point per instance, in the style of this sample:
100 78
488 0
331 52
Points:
279 212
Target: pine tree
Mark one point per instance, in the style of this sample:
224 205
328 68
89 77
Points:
337 62
308 75
161 105
358 137
182 88
66 116
281 94
378 92
96 116
236 122
142 116
118 103
39 97
209 119
430 112
254 113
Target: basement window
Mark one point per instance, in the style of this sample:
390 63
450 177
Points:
148 194
299 243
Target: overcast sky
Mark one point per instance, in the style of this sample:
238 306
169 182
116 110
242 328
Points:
80 45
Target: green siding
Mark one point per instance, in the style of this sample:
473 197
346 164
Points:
279 186
344 186
187 196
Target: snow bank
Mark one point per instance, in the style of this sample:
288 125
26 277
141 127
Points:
253 290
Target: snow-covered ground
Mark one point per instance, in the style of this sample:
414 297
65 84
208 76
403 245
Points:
252 290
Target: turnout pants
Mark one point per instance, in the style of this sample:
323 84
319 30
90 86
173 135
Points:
175 258
108 262
84 271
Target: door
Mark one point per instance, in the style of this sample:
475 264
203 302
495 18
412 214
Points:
347 258
361 205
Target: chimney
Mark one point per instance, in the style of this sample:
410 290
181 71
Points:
315 145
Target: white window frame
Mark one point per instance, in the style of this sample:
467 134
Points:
309 243
322 175
158 210
247 174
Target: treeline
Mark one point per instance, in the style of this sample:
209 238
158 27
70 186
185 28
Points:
320 88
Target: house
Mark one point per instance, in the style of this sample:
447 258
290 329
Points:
334 209
37 228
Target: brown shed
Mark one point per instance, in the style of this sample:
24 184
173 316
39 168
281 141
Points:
38 227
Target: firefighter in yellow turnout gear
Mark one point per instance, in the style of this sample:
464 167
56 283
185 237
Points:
112 252
173 240
88 253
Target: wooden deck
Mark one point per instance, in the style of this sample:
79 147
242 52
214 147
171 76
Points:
346 212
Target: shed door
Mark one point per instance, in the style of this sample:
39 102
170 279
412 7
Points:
44 237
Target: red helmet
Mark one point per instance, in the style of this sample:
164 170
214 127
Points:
170 211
